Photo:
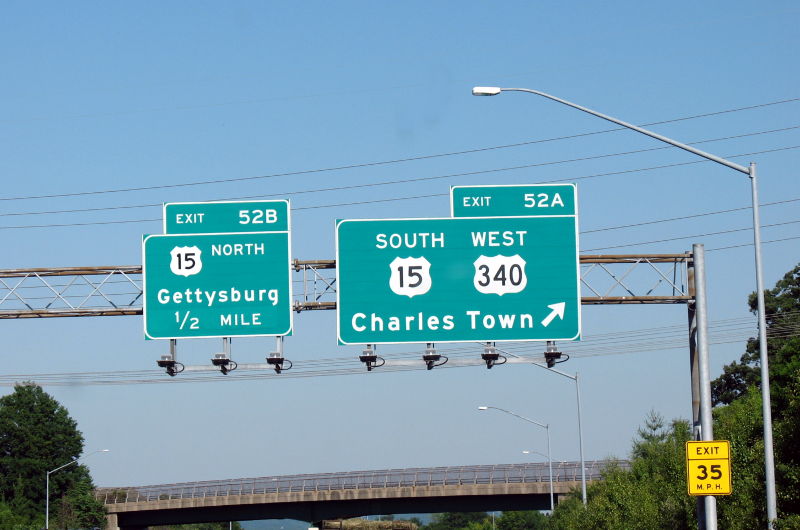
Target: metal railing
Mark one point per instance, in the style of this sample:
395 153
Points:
386 478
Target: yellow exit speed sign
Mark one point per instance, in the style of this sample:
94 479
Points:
708 467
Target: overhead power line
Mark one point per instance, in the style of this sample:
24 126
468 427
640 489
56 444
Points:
393 161
683 217
707 234
417 179
404 181
334 366
728 331
751 244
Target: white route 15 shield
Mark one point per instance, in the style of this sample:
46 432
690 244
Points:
500 274
185 261
410 276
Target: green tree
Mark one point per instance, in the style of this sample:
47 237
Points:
455 520
79 509
739 385
651 495
8 519
483 524
529 520
787 443
37 435
740 423
782 315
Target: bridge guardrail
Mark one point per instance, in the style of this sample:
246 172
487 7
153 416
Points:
386 478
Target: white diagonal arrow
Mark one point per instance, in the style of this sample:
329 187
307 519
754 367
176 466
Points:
557 311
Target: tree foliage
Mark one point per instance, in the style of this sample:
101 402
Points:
79 509
452 520
782 315
9 520
512 520
527 520
37 435
739 389
740 423
651 495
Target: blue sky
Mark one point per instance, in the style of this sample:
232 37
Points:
110 96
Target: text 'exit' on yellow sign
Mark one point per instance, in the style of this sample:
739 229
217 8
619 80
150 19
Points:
708 467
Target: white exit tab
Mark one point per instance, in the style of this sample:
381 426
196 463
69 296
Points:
189 218
471 202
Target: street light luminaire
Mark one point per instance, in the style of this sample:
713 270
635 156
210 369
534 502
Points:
528 452
486 91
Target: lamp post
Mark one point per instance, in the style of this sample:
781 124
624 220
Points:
575 378
543 425
47 485
549 465
750 171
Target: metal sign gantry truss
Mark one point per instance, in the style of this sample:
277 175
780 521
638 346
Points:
611 279
115 291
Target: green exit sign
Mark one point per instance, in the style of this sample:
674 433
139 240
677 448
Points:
221 217
514 200
457 279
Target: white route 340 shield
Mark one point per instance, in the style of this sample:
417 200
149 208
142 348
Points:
500 274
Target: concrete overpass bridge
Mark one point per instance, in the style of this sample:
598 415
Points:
347 494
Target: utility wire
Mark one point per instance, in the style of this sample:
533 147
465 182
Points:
683 217
54 225
751 244
590 341
585 250
380 163
690 237
154 377
349 187
742 328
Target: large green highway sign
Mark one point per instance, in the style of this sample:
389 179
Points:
457 279
217 285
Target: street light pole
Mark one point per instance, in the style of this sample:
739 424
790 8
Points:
47 485
575 378
580 434
549 465
546 426
750 171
